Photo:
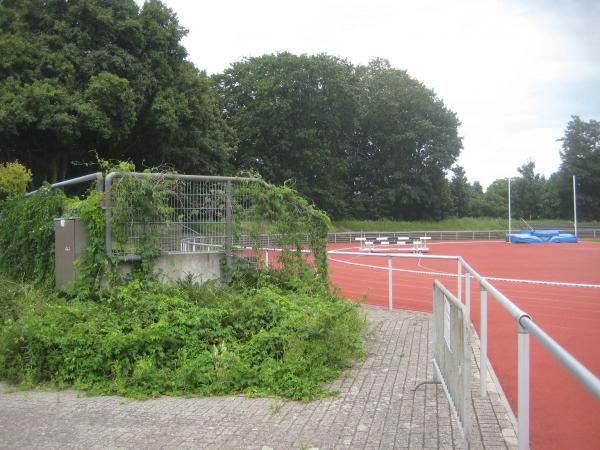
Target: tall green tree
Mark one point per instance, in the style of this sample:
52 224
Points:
477 200
461 192
580 156
405 143
496 199
528 193
103 76
295 118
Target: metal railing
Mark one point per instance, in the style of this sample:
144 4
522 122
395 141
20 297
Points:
349 237
525 326
98 177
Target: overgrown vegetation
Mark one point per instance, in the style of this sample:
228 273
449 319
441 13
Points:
276 332
146 339
290 221
27 236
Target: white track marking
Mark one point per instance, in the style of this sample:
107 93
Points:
453 275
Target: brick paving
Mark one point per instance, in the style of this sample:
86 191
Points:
376 409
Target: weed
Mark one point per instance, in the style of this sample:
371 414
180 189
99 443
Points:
275 407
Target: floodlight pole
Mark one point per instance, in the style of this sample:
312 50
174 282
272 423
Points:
509 214
575 205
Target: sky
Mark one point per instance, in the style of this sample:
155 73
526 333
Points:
514 71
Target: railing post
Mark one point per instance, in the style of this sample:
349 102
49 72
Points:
459 278
267 258
228 231
468 292
390 287
483 344
523 388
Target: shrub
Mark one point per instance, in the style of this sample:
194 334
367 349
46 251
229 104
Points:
14 178
146 339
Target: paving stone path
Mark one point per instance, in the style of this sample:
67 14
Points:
376 409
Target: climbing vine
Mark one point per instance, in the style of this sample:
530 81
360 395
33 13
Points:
138 205
27 236
289 221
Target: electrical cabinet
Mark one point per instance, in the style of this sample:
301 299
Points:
70 240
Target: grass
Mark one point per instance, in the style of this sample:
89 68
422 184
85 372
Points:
454 224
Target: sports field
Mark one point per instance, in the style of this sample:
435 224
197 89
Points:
557 284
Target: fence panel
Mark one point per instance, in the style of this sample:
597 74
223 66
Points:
452 353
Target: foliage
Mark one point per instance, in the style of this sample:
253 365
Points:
139 200
580 156
527 193
104 76
290 221
294 117
146 339
27 235
14 178
406 140
93 265
358 141
461 192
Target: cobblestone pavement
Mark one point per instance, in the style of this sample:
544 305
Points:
376 409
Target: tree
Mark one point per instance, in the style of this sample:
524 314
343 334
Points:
580 156
461 192
477 200
496 199
406 141
528 192
103 76
294 117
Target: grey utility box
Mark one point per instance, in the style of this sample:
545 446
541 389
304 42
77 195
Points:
70 240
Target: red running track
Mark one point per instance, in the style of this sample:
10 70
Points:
563 414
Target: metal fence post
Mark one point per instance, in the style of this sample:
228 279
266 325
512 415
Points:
390 287
468 292
523 388
228 231
459 278
483 348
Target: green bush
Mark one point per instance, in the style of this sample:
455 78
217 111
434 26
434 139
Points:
27 236
14 178
147 339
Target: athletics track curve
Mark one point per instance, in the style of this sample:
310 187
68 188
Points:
563 414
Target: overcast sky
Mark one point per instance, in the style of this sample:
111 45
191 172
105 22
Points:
514 71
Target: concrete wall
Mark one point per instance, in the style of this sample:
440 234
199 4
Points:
177 266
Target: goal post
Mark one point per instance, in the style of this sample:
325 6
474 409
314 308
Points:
452 354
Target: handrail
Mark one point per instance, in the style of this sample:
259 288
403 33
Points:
568 361
93 176
525 326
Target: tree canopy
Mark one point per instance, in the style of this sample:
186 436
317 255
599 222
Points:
366 141
85 76
88 79
295 118
580 156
